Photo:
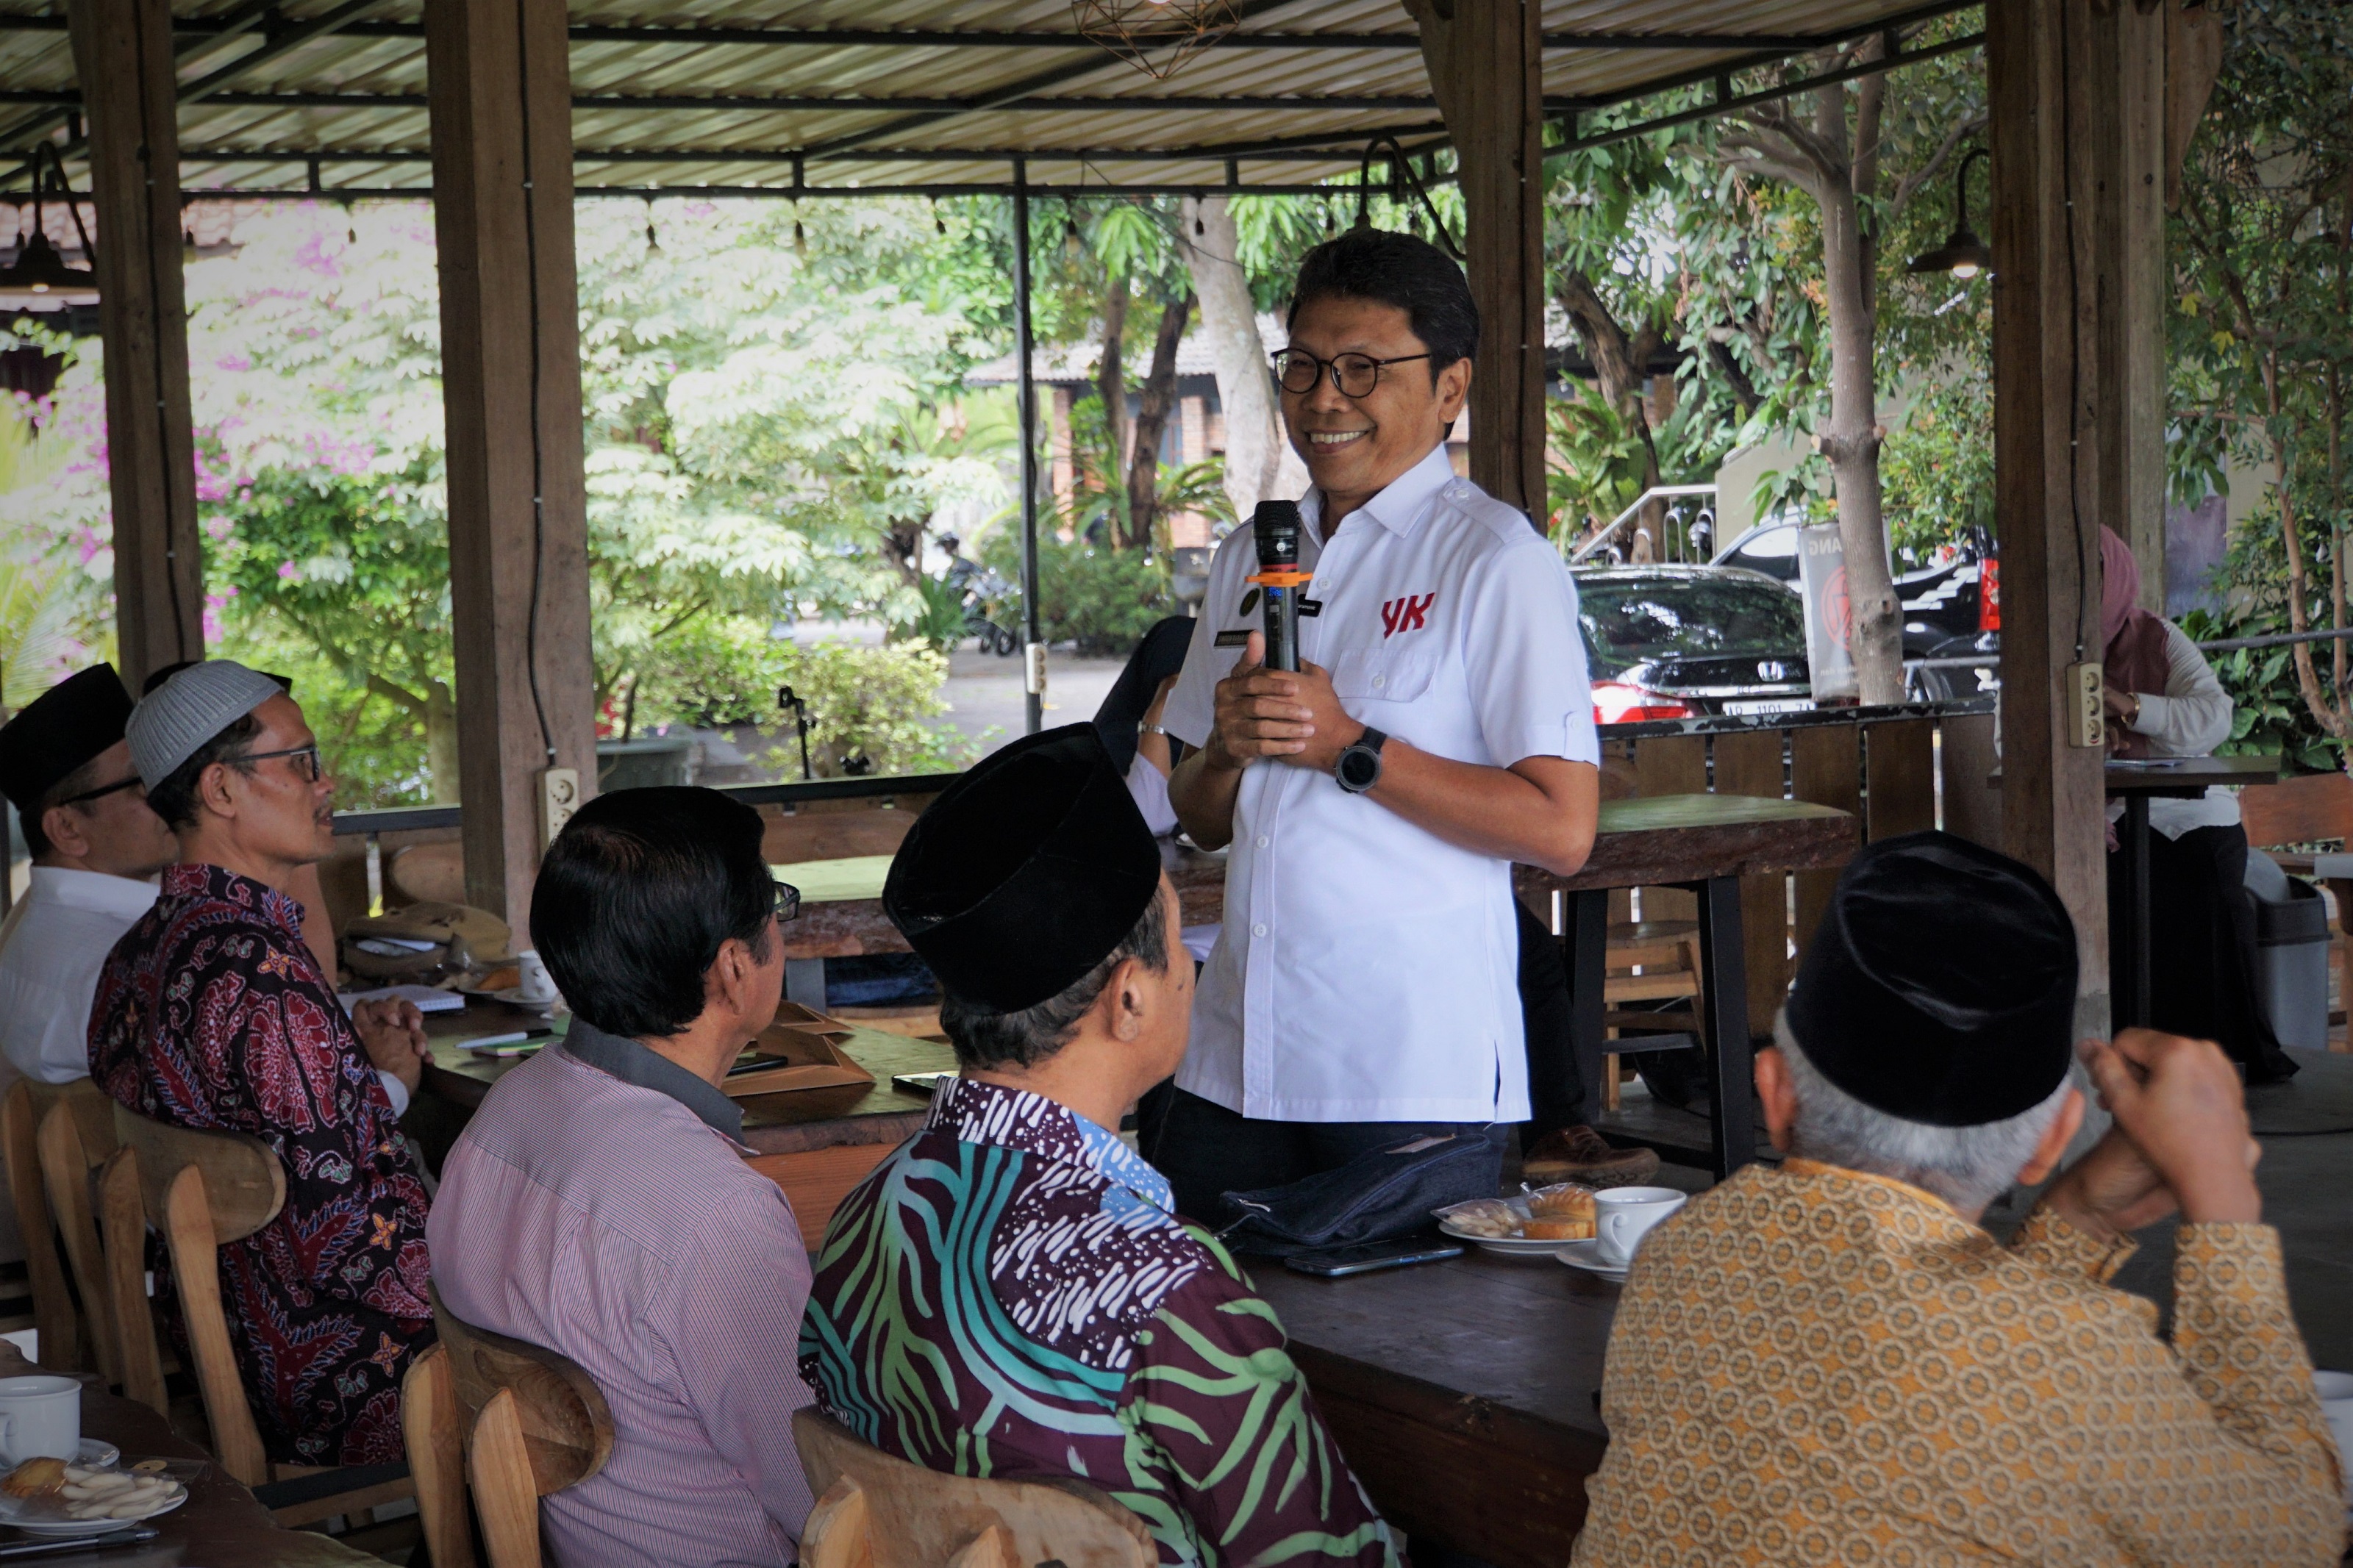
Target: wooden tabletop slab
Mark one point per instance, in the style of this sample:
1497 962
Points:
841 900
1462 1392
220 1526
1664 839
2178 775
786 1123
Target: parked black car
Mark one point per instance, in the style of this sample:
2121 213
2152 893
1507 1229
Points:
1951 610
1675 642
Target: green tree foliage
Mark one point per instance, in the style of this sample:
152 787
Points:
2262 335
1101 598
871 710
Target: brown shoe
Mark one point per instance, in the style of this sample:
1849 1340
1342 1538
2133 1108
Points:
1581 1155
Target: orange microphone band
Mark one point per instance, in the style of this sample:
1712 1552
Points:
1279 579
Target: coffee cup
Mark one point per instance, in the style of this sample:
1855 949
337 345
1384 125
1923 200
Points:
534 983
2336 1391
40 1418
1622 1216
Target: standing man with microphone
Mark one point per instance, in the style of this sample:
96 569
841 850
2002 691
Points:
1438 729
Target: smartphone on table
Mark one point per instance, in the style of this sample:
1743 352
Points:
1339 1262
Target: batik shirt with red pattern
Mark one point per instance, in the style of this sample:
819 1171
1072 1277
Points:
212 1013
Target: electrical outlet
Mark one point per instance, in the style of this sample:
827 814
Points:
2086 711
1036 682
559 797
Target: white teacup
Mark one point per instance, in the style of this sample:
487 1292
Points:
533 982
2336 1391
40 1418
1622 1216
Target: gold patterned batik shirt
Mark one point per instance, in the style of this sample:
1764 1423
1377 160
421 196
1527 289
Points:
1811 1366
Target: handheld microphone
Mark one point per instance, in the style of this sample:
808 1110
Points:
1276 524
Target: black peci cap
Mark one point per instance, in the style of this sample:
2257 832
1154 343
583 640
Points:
1026 872
1940 986
60 731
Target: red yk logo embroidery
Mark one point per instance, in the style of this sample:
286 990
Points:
1405 615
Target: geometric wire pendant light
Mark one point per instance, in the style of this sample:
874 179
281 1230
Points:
1155 36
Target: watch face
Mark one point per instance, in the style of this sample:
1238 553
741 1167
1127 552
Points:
1359 769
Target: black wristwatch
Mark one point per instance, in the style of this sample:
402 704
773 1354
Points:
1360 767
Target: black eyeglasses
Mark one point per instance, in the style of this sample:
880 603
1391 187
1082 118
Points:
1353 376
307 766
133 781
788 901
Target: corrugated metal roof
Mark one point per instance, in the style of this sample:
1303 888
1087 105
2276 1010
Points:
658 105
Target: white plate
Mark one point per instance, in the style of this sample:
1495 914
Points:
62 1529
1505 1246
512 996
1584 1255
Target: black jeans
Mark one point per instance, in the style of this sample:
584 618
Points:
2201 945
1206 1150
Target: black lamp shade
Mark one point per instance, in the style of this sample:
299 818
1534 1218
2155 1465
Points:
39 279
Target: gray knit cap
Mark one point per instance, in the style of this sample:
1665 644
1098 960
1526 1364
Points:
173 721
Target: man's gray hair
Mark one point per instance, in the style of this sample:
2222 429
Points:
1969 1167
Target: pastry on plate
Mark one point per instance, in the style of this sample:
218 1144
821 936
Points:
1566 1200
34 1476
1482 1216
1560 1230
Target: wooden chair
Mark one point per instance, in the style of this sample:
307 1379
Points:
1667 954
76 1137
2313 808
61 1341
201 1190
518 1422
876 1512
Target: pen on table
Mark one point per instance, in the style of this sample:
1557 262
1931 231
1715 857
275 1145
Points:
499 1042
77 1544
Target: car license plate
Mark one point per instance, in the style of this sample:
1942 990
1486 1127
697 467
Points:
1770 705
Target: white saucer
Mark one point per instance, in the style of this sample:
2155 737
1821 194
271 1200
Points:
512 996
1583 1254
63 1528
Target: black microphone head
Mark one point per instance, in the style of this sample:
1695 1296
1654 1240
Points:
1276 523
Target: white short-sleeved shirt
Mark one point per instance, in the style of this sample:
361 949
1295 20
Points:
1368 971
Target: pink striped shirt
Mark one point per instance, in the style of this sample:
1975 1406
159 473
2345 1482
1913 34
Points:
616 1223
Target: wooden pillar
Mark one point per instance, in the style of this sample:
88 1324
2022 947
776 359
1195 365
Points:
2141 106
123 60
500 105
2066 81
1485 59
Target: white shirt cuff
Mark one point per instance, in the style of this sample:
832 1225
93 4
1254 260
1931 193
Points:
396 1091
2151 719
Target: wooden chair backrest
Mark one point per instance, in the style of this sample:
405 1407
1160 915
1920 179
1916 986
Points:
77 1135
2302 810
532 1421
881 1512
436 1435
53 1308
201 1190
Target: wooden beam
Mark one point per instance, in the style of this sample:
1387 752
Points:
123 56
510 387
1485 60
2141 139
2066 81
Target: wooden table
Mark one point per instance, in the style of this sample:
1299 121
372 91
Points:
1465 1393
220 1526
841 911
1706 843
2137 784
816 1143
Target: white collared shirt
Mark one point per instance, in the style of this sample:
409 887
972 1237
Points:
51 950
1368 971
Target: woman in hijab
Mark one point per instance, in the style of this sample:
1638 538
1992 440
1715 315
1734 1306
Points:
2163 701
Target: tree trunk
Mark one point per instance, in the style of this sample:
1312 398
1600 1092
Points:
1260 463
442 742
1853 440
1619 361
1151 418
1111 376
